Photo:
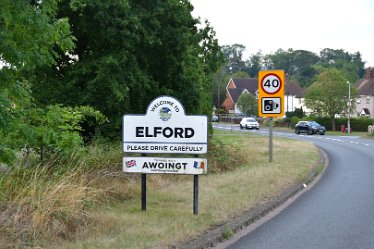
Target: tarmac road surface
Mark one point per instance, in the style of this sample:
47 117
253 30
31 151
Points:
337 213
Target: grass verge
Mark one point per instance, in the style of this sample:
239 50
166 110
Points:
108 211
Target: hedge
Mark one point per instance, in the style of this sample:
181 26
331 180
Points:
357 124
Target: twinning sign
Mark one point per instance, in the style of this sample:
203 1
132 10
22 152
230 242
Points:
165 128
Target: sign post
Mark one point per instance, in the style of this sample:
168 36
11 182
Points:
271 99
165 129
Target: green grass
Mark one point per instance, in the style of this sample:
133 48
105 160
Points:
169 219
101 208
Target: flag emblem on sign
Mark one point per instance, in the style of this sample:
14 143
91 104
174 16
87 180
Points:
130 164
198 165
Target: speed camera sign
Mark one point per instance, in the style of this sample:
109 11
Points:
271 93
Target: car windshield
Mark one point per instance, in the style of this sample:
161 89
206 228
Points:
251 120
315 123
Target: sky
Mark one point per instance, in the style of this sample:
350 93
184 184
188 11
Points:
267 25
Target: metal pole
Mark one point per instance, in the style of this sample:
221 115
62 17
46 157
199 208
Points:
349 107
271 140
218 105
196 194
144 190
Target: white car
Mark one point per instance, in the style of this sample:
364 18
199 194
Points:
249 123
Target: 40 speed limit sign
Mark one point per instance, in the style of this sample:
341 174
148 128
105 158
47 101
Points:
271 93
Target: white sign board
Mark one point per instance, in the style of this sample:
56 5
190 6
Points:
165 129
157 165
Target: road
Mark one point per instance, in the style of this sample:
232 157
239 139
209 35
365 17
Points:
337 213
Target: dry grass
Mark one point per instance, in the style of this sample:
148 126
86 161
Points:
45 206
169 217
100 208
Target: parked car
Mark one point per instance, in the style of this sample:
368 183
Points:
310 127
249 123
214 118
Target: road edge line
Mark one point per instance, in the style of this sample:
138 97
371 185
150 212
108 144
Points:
231 231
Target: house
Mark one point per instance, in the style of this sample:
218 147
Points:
365 99
293 94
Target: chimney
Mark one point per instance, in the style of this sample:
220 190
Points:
369 73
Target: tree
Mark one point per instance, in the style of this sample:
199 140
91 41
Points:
255 64
247 103
129 52
342 60
328 94
30 33
298 64
234 58
304 70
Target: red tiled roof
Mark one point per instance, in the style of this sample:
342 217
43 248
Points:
365 87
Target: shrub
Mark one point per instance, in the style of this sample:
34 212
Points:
294 121
54 130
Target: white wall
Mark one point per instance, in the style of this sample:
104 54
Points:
292 102
364 101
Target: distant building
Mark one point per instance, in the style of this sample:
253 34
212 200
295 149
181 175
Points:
293 94
365 99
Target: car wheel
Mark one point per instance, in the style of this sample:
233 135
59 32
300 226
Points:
297 131
310 132
322 133
241 127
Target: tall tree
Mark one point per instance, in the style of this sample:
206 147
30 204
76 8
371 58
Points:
343 60
255 64
298 64
328 94
29 34
127 53
304 70
234 58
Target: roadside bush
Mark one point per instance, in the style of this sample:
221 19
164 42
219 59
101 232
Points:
294 121
222 157
54 131
282 122
298 113
361 124
357 123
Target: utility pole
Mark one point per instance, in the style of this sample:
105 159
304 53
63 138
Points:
218 93
349 107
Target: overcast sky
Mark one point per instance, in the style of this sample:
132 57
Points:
267 25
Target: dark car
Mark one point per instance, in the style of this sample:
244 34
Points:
309 127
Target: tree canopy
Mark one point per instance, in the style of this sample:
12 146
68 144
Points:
30 33
328 95
247 103
67 58
129 52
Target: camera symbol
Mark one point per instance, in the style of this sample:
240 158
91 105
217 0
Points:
270 105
